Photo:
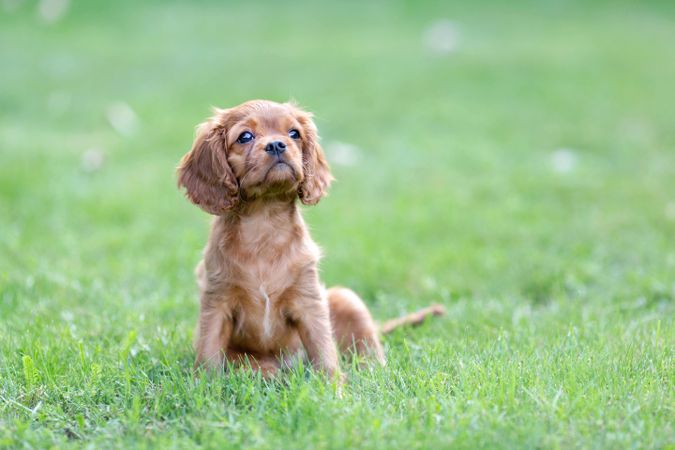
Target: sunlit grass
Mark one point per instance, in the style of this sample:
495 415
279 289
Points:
523 175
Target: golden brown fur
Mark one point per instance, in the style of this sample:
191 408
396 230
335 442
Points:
261 298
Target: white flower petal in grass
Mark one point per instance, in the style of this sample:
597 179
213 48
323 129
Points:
59 102
11 5
92 160
563 160
637 130
429 283
51 11
670 260
342 154
521 314
670 211
442 37
122 118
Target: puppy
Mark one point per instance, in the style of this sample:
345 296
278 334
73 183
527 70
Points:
261 300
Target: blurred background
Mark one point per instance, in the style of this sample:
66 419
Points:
489 148
514 161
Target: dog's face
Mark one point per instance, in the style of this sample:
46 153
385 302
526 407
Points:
265 151
257 150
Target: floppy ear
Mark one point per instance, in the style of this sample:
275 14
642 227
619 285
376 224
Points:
317 176
205 173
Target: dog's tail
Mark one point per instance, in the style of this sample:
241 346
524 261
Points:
412 319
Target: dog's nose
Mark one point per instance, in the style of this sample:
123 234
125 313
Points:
275 148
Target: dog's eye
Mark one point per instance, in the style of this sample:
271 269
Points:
294 134
245 137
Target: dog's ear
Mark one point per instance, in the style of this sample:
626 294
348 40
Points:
204 171
317 176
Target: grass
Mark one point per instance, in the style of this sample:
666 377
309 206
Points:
559 283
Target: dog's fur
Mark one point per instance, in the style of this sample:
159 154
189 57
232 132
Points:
261 299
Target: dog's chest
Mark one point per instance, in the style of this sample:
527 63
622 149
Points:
268 259
263 265
265 287
261 321
267 273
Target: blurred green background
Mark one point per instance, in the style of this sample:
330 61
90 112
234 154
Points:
512 160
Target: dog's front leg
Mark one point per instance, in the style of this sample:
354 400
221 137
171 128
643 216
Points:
213 334
313 324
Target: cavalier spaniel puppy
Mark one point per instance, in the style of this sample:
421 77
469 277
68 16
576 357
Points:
261 299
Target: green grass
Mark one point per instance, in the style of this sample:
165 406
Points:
560 287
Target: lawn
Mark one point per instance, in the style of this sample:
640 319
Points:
514 161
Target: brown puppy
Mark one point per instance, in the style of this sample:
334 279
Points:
261 299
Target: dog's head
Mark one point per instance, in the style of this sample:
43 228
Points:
259 149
